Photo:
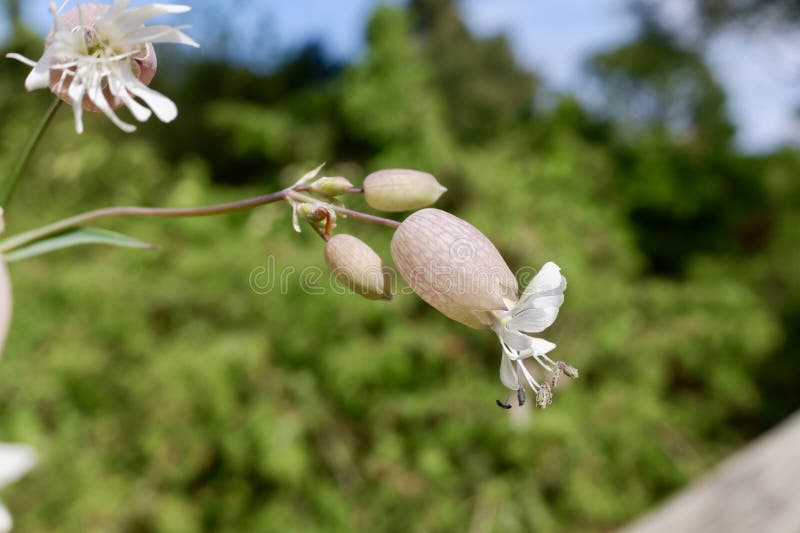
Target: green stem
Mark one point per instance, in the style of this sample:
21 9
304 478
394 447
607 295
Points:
108 212
8 186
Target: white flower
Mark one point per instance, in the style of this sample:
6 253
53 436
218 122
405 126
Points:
453 266
535 311
15 461
100 57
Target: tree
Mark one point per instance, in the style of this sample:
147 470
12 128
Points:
485 91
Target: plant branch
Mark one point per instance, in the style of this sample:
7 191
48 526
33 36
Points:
155 212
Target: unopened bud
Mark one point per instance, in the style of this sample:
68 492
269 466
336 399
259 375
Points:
401 190
452 266
307 211
331 186
358 267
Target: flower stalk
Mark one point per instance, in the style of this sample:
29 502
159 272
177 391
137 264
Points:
10 183
29 237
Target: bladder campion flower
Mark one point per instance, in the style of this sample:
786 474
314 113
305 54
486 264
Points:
451 265
99 57
15 461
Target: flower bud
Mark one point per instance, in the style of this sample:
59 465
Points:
401 190
331 186
453 267
321 217
358 267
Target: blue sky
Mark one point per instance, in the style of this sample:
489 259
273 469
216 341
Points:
552 37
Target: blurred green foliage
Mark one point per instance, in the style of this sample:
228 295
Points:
164 394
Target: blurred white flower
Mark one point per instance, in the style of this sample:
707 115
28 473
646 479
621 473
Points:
15 461
100 57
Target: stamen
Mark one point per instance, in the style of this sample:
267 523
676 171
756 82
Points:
532 382
505 405
544 356
544 396
537 358
569 371
556 377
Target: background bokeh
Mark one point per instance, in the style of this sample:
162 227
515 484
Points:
164 394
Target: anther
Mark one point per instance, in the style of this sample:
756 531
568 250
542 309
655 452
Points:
544 396
521 396
503 405
569 371
556 377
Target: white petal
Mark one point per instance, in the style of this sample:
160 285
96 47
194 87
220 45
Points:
541 302
6 522
117 88
507 373
547 282
57 22
164 108
117 7
76 92
514 339
5 309
77 113
541 346
158 34
133 18
39 77
22 59
15 461
140 112
534 320
98 98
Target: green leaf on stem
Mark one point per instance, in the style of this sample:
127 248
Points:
76 237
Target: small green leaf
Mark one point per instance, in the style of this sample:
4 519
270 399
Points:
76 237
